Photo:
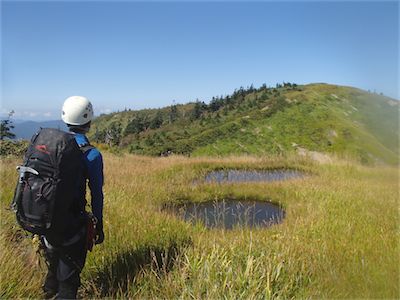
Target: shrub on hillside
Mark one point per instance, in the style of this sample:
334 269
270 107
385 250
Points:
13 148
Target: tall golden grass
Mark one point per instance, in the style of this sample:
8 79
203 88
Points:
340 237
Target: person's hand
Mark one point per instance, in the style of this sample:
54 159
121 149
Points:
99 233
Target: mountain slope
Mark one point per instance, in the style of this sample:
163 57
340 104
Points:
286 118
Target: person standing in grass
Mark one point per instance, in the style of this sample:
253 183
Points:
66 262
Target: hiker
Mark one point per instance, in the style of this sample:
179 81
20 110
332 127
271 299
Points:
66 261
49 199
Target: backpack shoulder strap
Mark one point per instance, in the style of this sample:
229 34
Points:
85 147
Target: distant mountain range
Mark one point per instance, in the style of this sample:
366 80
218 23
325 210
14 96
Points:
25 129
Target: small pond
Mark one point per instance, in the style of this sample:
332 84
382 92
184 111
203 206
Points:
227 214
222 176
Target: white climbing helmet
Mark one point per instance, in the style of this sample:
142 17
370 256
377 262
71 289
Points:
77 110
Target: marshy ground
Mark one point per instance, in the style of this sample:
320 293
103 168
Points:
340 236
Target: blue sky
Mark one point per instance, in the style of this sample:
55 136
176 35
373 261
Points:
139 55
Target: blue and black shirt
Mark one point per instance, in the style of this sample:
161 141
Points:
93 162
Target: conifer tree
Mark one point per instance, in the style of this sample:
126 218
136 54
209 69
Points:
5 127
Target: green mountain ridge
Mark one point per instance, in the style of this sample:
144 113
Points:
326 118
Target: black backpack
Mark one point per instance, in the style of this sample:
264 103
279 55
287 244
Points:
46 189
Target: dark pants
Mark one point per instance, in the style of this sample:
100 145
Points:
64 267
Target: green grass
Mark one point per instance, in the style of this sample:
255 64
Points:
342 121
340 238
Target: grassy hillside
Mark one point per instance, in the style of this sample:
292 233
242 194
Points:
339 238
288 118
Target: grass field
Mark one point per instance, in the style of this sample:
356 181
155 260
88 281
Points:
340 237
